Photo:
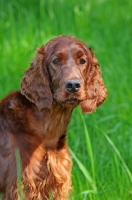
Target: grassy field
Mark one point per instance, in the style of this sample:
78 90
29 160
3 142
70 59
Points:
100 143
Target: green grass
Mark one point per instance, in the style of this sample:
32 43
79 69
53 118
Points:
100 143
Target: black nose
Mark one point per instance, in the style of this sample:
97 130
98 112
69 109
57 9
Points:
73 85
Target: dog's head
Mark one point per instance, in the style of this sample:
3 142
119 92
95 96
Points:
66 71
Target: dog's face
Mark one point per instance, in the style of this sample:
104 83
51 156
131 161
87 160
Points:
67 68
66 71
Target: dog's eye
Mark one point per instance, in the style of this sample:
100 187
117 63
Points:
56 61
82 61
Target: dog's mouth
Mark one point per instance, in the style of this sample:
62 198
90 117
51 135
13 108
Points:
69 100
73 101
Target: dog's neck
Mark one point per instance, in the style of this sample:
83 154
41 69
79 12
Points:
58 120
51 125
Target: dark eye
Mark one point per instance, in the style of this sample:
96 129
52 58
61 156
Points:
82 61
56 61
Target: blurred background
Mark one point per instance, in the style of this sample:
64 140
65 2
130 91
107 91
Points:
100 143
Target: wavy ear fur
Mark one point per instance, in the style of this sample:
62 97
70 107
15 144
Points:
96 92
35 84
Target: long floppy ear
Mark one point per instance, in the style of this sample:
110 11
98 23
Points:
35 84
96 92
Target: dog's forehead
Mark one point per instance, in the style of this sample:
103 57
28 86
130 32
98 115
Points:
66 45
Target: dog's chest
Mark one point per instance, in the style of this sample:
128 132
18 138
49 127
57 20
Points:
50 126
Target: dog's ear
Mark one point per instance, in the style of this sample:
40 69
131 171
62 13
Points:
35 84
96 92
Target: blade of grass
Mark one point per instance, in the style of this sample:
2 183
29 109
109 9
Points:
89 147
19 174
118 154
85 172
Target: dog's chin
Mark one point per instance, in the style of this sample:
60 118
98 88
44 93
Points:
69 102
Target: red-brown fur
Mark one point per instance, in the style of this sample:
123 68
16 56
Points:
34 119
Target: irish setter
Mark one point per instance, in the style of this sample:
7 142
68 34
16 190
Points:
63 75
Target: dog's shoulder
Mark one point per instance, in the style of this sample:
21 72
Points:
14 101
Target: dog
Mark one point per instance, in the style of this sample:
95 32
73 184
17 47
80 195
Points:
34 120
